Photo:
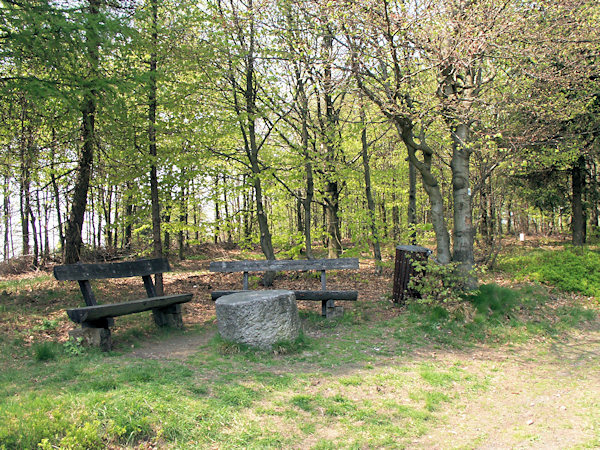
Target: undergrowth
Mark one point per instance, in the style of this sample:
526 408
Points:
569 269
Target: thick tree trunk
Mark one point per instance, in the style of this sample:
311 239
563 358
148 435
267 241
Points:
432 188
578 187
463 219
73 239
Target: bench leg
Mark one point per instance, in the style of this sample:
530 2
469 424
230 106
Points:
95 334
329 310
169 316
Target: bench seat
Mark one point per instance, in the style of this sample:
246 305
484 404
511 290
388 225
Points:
305 295
98 312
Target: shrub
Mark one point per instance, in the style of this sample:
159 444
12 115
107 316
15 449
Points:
438 283
572 270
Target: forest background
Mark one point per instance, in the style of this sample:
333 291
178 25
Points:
163 124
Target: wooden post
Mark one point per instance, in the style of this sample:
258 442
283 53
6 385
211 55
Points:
86 291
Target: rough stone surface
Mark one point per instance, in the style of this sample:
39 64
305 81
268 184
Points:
333 312
259 318
93 337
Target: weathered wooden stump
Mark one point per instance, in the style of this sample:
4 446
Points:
258 319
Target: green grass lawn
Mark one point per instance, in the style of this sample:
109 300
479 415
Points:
349 383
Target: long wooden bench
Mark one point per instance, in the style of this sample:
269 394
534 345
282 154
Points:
96 319
325 296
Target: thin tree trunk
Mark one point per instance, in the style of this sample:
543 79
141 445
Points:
152 104
226 206
217 211
128 216
412 202
578 187
369 193
6 210
36 243
56 193
182 221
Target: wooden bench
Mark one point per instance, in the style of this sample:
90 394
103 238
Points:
96 319
327 297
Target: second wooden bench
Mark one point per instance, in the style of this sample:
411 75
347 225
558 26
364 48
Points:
325 296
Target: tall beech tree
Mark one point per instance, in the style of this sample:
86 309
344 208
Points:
422 81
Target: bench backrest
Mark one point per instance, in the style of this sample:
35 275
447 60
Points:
83 273
282 265
140 268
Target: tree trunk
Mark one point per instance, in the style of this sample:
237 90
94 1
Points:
56 193
36 244
183 217
152 104
432 188
578 186
73 240
461 194
332 206
128 217
412 202
369 193
6 211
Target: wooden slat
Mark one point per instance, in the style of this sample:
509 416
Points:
94 313
139 268
86 291
305 295
283 265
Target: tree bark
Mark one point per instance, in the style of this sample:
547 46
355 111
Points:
6 218
369 193
152 105
463 219
73 239
412 202
578 187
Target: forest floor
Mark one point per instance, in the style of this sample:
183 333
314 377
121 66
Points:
520 376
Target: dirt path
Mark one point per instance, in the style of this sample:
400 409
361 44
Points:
175 347
544 396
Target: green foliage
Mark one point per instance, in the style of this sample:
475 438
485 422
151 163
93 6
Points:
74 347
569 269
437 283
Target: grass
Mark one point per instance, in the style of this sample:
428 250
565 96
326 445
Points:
351 382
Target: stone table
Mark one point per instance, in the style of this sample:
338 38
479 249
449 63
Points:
258 318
